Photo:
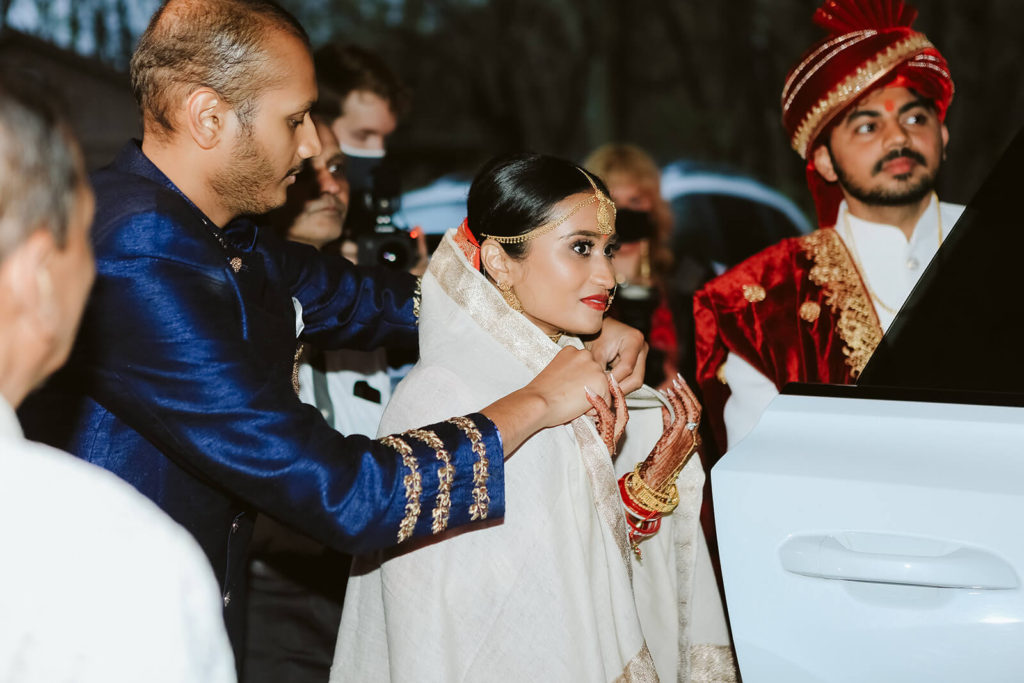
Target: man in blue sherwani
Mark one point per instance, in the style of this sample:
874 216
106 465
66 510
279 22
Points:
181 378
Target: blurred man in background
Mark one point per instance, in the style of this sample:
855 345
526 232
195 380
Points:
362 100
865 107
297 585
361 97
97 584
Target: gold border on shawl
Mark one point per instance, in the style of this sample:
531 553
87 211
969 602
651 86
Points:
525 341
413 485
445 474
835 272
712 664
640 669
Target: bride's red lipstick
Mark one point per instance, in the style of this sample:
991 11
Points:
598 302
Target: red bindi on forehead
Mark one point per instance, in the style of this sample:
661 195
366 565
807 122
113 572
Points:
890 105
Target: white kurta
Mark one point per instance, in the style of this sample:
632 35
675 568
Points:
890 265
548 592
97 585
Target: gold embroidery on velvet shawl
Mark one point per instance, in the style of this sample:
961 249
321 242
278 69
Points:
834 271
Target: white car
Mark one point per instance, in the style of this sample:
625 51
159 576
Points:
874 533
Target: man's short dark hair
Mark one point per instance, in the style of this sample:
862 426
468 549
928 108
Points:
40 165
213 43
344 69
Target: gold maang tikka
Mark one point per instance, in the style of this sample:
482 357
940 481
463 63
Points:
605 217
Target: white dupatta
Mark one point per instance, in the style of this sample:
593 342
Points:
547 593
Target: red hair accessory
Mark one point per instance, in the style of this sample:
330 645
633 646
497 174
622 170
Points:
469 245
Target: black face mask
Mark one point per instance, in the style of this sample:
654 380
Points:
632 226
360 165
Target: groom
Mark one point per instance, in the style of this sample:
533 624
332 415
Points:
181 378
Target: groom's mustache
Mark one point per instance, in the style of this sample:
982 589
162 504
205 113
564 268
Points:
904 152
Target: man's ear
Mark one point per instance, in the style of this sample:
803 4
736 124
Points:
945 139
206 117
495 261
823 163
28 280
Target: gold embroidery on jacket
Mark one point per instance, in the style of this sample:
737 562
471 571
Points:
809 311
417 299
445 473
413 486
481 499
834 271
753 293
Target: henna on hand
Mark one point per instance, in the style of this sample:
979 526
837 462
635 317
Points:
677 441
610 421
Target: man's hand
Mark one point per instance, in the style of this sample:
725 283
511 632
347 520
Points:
623 351
555 396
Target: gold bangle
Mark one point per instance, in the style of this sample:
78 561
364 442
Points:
644 496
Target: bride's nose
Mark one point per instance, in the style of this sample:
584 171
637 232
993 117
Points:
604 273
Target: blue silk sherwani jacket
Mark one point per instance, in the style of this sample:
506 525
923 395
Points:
181 383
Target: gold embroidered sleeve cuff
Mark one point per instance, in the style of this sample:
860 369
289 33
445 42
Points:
417 298
481 499
445 474
413 482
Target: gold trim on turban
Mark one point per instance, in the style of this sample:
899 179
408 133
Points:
853 86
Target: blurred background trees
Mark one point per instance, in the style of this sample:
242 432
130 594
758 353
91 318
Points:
684 79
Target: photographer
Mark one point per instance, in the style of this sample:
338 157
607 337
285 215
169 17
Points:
362 100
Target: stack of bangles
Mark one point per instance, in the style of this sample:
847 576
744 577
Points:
644 505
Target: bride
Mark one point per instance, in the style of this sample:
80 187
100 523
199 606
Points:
571 585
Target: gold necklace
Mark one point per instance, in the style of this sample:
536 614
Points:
860 267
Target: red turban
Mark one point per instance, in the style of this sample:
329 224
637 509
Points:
870 45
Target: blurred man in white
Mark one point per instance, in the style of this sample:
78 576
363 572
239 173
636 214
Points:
97 585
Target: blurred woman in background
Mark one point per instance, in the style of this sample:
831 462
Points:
644 260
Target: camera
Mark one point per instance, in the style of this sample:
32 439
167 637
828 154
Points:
371 223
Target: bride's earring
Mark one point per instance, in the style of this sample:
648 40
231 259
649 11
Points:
510 297
611 297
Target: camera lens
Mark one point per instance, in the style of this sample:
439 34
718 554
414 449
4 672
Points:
394 254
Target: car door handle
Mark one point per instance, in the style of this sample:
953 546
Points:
885 558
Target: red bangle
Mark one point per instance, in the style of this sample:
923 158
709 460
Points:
631 505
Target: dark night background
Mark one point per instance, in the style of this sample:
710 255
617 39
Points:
683 79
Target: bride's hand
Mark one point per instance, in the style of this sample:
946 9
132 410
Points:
678 439
611 421
622 350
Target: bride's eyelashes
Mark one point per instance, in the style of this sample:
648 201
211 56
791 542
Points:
584 247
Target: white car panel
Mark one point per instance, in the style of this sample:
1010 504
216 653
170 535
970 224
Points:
868 540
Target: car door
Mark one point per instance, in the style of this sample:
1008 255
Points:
875 540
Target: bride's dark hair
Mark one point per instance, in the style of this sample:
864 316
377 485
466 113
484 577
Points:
515 193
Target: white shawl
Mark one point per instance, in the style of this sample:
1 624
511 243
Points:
552 592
